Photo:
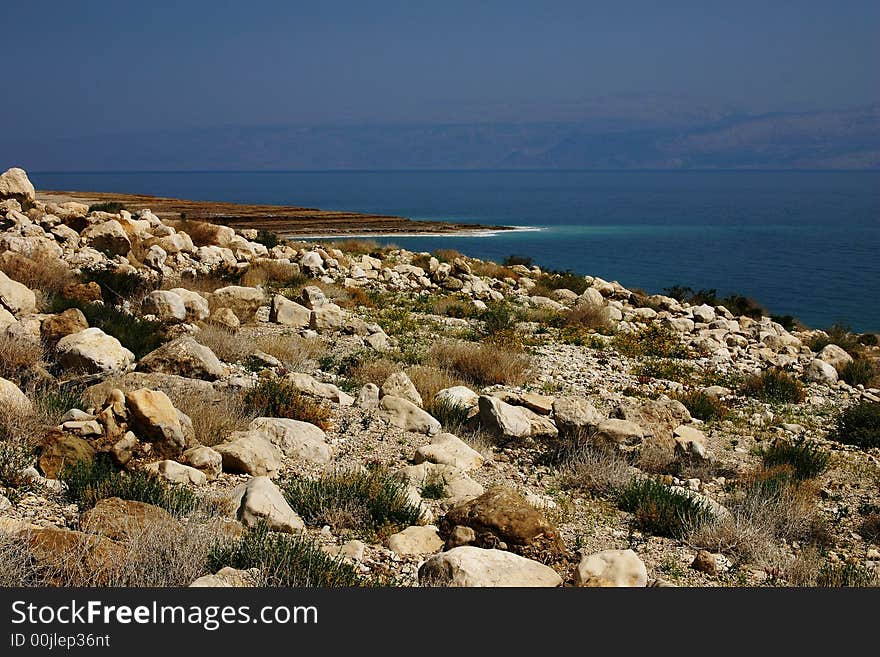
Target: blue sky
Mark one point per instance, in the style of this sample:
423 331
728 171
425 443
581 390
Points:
94 67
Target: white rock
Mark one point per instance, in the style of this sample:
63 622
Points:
93 351
406 415
259 501
15 297
469 566
616 568
447 449
177 473
416 540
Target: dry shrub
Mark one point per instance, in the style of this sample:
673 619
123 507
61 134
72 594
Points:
373 371
274 274
452 306
492 270
767 507
214 416
200 284
21 432
361 247
448 255
588 316
229 346
482 364
280 398
18 355
598 470
293 350
431 380
203 233
48 275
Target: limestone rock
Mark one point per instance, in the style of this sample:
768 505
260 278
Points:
14 184
398 384
613 568
460 396
447 449
206 459
469 566
184 357
416 540
153 417
65 323
177 473
258 501
18 299
835 356
575 414
690 442
290 313
123 520
93 351
406 415
108 237
60 450
503 419
821 371
11 398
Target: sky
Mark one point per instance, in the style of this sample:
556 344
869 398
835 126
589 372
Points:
95 67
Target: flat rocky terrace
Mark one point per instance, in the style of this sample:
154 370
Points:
263 412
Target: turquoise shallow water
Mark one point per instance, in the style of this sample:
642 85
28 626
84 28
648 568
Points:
801 243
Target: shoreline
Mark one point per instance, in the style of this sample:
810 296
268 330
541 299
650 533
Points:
286 221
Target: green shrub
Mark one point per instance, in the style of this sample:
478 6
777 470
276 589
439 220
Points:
805 459
373 502
661 510
498 317
285 560
651 340
859 425
512 260
558 280
774 385
668 369
118 286
859 371
113 207
838 334
280 398
581 336
267 238
434 488
846 575
704 407
452 416
89 482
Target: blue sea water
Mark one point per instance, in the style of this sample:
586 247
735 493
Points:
801 243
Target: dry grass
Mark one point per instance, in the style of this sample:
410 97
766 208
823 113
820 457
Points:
600 471
492 270
214 416
18 355
373 371
292 350
200 284
272 273
21 432
48 275
362 247
482 364
587 316
448 255
229 346
431 380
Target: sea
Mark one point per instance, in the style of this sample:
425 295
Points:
801 243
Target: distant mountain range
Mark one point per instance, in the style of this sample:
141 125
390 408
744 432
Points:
700 139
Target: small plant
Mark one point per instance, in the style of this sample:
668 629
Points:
668 369
113 207
661 510
117 286
434 488
91 481
285 560
497 318
652 340
805 459
859 425
601 471
513 260
141 336
838 334
280 398
702 406
860 371
374 502
267 238
581 336
452 416
482 364
839 575
774 385
870 527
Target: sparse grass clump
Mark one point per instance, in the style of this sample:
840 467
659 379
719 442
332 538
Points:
113 207
838 575
581 336
481 364
280 398
661 510
588 316
431 380
285 560
374 503
652 340
17 355
453 417
293 350
774 385
669 369
274 275
600 471
89 482
558 280
117 286
228 345
805 459
48 275
860 371
859 425
434 488
702 406
214 416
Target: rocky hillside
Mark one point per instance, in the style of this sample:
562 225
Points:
188 405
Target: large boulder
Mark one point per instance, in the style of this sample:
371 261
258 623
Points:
250 452
243 301
406 415
177 473
457 396
447 449
55 327
399 384
18 299
575 414
259 501
13 399
820 371
123 520
835 356
290 313
153 418
261 449
611 568
196 306
416 540
93 351
167 306
108 237
504 419
502 518
469 566
184 357
61 555
60 450
618 433
14 184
